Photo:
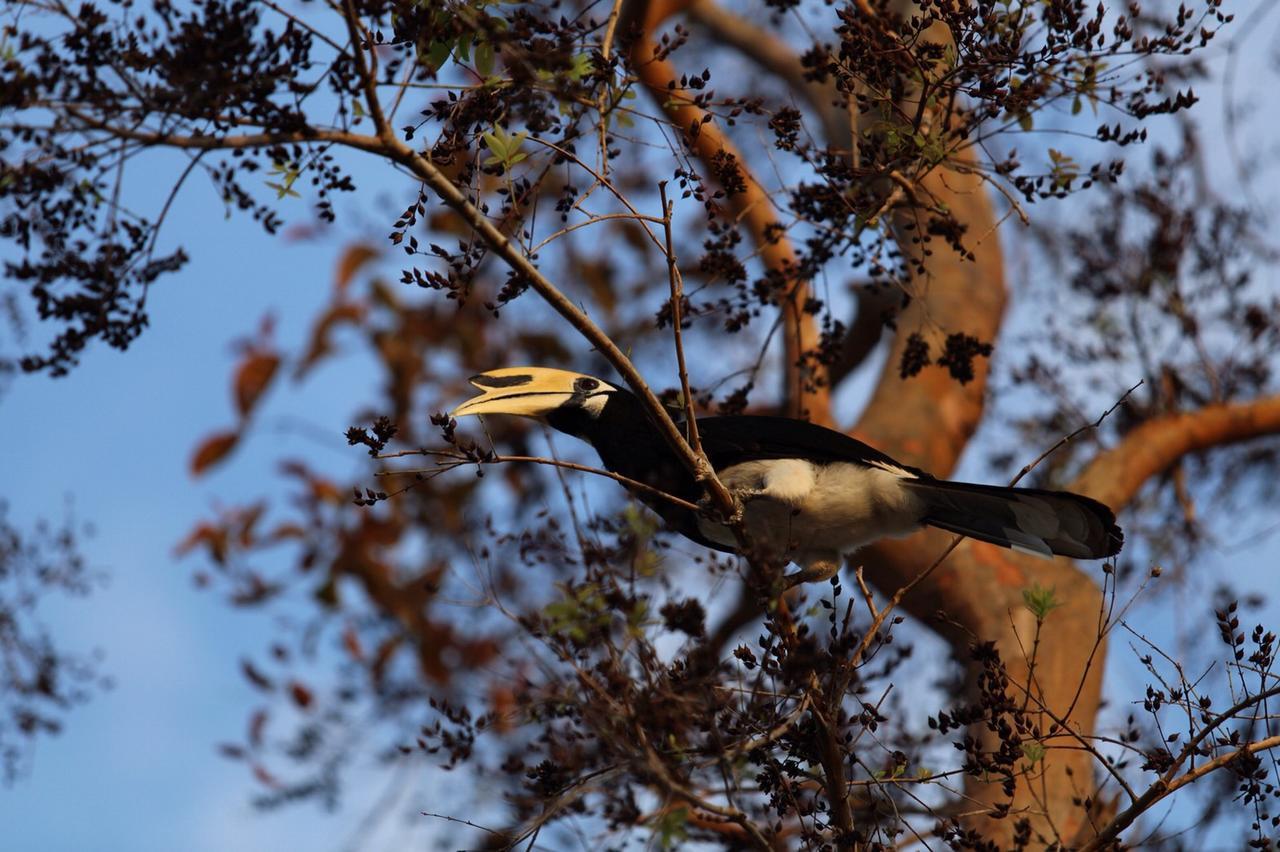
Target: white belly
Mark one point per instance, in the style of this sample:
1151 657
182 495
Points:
805 511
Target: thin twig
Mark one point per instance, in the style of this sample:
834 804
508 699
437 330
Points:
603 181
458 461
1067 730
1166 786
448 818
595 218
1088 427
773 733
866 593
902 592
677 302
367 76
906 589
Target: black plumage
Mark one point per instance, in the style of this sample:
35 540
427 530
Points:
810 495
1034 520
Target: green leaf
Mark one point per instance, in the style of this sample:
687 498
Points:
503 147
1032 751
283 190
638 618
438 52
1025 122
647 563
1040 601
671 828
484 58
639 524
289 173
581 66
581 611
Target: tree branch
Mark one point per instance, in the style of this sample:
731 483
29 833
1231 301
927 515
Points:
454 460
388 145
807 390
1116 476
1166 787
676 282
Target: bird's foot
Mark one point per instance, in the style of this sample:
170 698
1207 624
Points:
741 496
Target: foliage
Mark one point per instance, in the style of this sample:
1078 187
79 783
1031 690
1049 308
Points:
576 658
40 681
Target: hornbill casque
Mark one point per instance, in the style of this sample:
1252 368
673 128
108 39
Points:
810 495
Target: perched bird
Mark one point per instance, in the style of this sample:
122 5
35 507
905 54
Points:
810 495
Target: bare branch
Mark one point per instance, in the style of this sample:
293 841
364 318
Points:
677 320
807 392
1116 476
1166 787
457 461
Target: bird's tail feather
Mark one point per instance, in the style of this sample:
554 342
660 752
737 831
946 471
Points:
1026 519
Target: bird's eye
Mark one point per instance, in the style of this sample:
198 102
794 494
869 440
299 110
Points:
586 384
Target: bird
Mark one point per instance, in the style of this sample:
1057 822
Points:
809 495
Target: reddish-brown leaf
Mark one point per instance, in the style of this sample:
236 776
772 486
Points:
265 777
213 537
478 653
502 703
383 656
257 725
301 695
445 221
253 591
319 347
599 278
322 490
349 264
284 531
252 378
247 519
435 639
212 450
351 641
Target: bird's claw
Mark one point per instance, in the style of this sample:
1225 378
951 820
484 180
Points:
740 498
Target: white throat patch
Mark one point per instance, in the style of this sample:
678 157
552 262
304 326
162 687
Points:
594 404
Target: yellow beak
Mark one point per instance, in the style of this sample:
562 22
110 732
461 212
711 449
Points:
525 391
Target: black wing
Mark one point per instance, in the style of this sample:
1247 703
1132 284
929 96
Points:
735 439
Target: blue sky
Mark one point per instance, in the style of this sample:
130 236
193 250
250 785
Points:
137 768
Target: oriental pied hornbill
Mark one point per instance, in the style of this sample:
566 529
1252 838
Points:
810 494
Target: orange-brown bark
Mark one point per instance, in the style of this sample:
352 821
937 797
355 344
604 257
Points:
928 420
1115 476
776 57
807 394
